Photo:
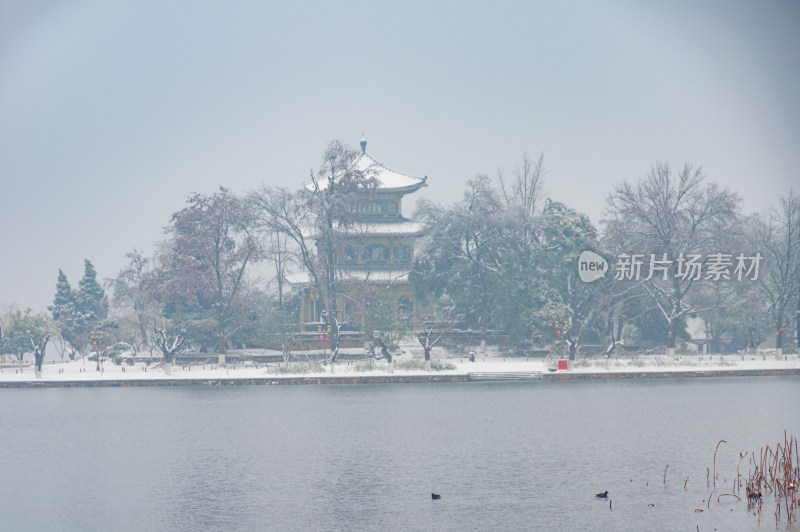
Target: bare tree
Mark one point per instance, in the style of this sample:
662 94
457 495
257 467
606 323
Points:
134 302
277 252
169 349
38 354
779 237
428 338
313 222
669 216
525 191
523 195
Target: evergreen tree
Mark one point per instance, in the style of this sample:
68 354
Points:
91 302
91 305
63 306
64 314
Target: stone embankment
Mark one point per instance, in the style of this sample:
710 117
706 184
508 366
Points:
584 376
127 383
559 376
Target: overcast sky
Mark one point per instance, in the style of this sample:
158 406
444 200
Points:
112 113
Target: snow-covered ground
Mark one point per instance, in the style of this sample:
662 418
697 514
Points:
409 363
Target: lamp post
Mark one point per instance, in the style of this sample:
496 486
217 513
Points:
560 330
561 333
97 345
324 339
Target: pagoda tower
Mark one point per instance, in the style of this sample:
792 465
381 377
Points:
377 248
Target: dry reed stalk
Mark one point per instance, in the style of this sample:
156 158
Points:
715 461
775 472
738 484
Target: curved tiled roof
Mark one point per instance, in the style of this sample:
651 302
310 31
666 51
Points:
389 180
362 275
376 276
389 228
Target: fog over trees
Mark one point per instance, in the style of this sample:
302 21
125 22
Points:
499 264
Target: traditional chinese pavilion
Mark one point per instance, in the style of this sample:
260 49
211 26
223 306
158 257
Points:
378 249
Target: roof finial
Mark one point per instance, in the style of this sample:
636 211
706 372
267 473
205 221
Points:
363 143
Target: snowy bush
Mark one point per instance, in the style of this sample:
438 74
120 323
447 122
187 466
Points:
420 364
299 368
363 367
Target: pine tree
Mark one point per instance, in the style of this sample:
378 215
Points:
64 313
91 302
63 306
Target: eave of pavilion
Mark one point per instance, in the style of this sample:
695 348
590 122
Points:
386 276
401 228
388 179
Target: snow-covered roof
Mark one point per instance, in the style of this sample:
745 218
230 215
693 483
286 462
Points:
389 228
396 227
376 276
371 276
389 180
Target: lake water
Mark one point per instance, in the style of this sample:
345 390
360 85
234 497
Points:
503 456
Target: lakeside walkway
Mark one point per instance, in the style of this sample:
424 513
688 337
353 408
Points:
495 368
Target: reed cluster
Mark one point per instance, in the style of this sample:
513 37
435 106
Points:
773 475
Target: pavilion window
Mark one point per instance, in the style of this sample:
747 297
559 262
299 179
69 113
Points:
402 254
351 253
378 207
377 253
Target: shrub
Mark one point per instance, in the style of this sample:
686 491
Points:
436 365
300 368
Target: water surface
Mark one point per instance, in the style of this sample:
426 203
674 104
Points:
504 456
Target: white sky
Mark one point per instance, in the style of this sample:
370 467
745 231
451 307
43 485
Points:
112 113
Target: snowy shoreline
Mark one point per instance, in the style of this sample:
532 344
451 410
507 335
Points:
80 374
